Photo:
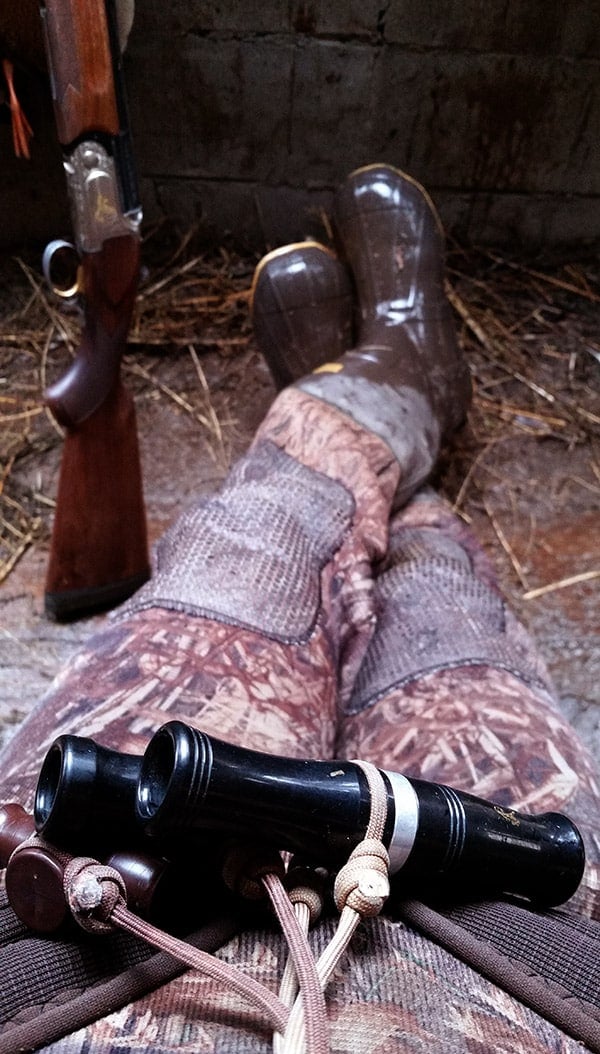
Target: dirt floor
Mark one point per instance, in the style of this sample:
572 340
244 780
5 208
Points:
525 471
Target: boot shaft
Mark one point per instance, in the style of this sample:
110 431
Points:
393 241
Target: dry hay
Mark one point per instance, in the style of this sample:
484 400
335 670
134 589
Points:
531 338
530 335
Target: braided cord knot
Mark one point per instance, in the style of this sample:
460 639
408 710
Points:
363 883
306 886
311 898
93 891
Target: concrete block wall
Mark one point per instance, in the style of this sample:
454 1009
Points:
247 114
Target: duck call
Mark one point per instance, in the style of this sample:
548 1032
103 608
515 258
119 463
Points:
85 796
439 839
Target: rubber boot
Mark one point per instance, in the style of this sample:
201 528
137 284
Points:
406 380
301 304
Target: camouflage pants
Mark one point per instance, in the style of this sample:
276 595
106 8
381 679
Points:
295 613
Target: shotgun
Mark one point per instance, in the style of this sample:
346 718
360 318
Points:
99 549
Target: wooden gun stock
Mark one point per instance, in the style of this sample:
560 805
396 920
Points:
109 284
99 551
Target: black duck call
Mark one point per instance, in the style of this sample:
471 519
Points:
190 786
438 839
85 796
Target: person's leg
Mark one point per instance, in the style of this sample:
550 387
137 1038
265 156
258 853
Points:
453 690
259 596
241 628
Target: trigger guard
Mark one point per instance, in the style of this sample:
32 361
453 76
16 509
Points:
53 247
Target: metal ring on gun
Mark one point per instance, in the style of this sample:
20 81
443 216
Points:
71 287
